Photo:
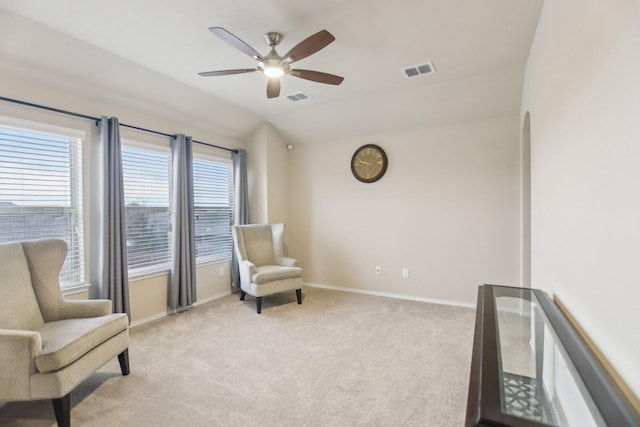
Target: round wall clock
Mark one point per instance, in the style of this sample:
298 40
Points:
369 163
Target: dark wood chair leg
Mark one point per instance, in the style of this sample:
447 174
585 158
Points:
242 295
299 295
123 358
62 408
259 304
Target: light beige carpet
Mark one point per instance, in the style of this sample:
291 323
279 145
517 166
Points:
339 359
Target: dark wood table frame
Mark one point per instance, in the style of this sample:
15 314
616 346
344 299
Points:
484 403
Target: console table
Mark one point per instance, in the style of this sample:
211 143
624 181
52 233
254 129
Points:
531 368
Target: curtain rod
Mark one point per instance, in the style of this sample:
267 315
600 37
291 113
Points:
97 119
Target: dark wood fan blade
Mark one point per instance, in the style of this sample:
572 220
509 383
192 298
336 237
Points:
273 88
235 42
317 76
309 46
227 72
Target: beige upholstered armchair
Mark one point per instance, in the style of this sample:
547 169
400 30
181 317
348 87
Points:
264 268
49 345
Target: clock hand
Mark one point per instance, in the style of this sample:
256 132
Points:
360 161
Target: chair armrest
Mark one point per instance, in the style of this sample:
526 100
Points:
74 309
286 261
18 350
247 269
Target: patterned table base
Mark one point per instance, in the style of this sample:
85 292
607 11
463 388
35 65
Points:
523 399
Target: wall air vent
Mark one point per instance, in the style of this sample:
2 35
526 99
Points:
419 70
299 96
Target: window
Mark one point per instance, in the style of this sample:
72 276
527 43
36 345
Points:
41 190
213 203
146 171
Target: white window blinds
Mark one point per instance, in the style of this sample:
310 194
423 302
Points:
213 203
147 174
41 191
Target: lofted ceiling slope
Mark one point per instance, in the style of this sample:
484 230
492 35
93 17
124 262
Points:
478 48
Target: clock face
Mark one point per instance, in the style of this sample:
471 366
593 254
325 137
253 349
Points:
369 163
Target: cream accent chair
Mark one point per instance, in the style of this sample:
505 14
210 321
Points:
264 268
49 345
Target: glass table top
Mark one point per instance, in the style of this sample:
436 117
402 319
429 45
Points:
537 379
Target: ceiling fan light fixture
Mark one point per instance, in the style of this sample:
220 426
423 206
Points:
272 68
273 72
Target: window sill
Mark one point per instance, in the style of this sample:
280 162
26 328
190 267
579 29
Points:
142 275
78 289
206 263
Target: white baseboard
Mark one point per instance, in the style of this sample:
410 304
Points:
390 295
323 286
212 298
147 320
196 304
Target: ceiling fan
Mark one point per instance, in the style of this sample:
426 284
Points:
275 66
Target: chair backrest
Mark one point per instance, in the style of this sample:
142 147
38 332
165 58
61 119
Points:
261 244
19 307
46 258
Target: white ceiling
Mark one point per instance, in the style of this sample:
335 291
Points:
478 49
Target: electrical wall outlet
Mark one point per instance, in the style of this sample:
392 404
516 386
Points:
378 270
221 272
405 272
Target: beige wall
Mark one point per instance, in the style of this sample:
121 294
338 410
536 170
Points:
257 175
278 158
149 295
268 175
448 209
583 94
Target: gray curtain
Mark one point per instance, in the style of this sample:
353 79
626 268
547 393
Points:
114 274
182 287
241 206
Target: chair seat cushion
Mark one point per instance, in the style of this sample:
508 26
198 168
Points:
269 273
65 341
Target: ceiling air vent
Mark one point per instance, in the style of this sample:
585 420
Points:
419 70
298 96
